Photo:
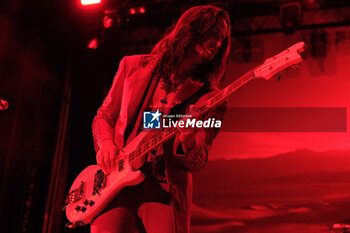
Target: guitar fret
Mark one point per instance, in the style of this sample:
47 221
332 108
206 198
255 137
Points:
153 141
219 97
228 90
138 152
231 88
212 101
202 109
131 156
142 149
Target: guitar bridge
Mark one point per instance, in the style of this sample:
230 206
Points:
75 195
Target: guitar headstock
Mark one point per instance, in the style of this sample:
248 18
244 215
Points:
272 66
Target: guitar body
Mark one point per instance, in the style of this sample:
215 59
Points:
91 202
92 190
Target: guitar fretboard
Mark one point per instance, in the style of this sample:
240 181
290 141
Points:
142 150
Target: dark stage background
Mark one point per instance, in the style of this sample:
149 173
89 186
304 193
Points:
58 59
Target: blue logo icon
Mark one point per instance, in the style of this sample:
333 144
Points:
151 120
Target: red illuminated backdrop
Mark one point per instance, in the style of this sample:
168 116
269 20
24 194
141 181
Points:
280 181
320 82
291 182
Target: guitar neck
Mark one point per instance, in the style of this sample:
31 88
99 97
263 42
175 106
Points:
142 150
290 56
224 93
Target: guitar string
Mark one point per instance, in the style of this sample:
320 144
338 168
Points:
231 88
160 138
239 82
99 177
226 91
157 140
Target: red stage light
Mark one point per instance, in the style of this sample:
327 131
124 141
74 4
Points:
142 10
132 11
90 2
93 43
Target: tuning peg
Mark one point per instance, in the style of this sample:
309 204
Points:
278 77
296 67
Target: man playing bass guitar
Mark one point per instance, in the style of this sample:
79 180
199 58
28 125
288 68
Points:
184 68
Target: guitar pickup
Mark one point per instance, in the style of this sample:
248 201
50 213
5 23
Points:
120 164
99 182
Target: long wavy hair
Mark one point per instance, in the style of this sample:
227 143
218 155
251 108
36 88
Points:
180 41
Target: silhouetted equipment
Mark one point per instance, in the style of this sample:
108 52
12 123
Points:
290 16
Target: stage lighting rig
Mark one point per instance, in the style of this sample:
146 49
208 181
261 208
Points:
111 18
137 10
90 2
290 16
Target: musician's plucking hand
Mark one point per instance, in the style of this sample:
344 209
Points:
107 156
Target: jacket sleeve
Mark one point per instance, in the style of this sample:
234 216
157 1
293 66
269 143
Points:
104 122
196 157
